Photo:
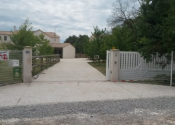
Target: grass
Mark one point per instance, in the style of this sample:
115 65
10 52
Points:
6 74
101 67
152 82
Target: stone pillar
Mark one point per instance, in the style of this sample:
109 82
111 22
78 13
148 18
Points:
27 64
115 63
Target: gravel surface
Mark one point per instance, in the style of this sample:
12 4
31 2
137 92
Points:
139 111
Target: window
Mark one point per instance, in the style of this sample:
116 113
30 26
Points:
5 38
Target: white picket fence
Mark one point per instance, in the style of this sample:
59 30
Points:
134 67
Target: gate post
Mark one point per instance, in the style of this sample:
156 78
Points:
27 64
108 65
115 63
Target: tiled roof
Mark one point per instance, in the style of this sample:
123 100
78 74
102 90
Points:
59 45
51 34
5 32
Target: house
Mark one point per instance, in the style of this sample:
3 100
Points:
5 36
66 50
51 36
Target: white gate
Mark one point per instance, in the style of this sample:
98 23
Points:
134 67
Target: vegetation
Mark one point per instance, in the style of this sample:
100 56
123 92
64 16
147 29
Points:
43 47
148 29
156 28
78 42
25 37
96 44
101 68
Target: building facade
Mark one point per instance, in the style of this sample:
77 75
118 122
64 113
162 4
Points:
5 36
51 36
66 50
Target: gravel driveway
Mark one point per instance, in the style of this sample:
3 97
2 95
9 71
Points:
70 94
157 111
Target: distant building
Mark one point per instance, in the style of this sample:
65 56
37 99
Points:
66 50
51 36
5 36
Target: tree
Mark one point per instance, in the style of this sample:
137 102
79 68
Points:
95 45
155 33
71 39
123 21
78 42
25 37
43 46
123 12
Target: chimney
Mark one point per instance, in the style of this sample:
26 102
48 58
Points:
14 28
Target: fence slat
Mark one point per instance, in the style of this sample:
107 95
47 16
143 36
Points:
40 63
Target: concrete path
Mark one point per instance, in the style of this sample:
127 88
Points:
61 92
71 70
74 80
73 92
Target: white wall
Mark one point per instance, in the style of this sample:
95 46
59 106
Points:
52 40
2 38
69 52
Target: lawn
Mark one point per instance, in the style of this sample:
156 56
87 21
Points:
6 74
101 67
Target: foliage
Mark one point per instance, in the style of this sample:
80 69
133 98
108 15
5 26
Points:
123 12
71 39
78 42
101 67
96 44
151 27
43 46
165 79
25 37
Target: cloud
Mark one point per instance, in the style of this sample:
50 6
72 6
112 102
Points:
67 17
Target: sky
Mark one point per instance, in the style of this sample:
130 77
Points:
65 17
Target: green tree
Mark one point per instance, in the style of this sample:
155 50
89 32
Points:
43 47
23 37
71 39
155 32
96 44
78 42
123 21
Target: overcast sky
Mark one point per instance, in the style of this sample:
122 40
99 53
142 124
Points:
66 17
